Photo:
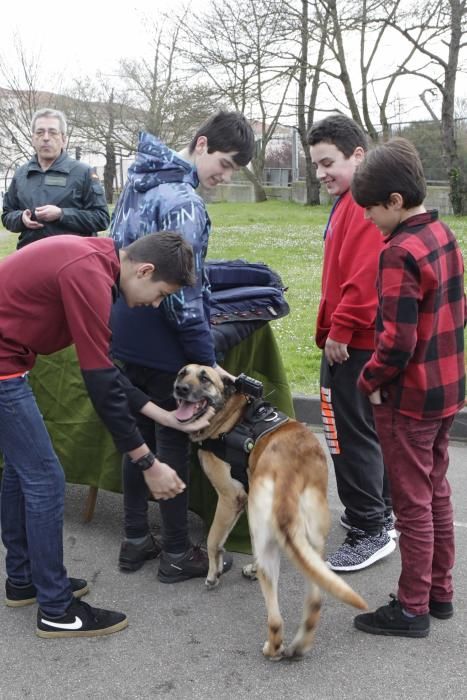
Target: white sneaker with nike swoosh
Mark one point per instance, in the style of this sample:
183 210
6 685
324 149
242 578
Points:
80 620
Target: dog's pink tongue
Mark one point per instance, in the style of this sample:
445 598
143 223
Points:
185 411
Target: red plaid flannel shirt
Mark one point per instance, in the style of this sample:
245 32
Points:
418 362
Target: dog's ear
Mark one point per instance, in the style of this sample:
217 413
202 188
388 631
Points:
182 373
229 387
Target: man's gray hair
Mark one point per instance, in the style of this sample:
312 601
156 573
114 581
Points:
47 112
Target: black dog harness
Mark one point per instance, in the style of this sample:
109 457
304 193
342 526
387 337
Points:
235 446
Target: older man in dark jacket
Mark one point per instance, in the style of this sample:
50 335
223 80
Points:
53 193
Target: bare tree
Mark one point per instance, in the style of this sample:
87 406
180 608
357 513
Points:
444 24
104 123
329 36
310 37
242 58
361 28
20 97
106 113
170 104
144 95
95 122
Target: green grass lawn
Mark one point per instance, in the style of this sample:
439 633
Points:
288 237
7 242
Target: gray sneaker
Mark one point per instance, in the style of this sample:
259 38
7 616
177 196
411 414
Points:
360 550
389 524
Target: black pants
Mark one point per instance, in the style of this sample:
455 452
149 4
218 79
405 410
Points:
350 432
170 446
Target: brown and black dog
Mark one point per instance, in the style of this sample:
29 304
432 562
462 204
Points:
287 503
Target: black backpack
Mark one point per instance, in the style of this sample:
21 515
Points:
244 297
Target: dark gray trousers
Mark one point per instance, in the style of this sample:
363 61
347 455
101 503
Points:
170 446
350 433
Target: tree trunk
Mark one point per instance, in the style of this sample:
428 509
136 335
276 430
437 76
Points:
110 171
305 112
259 191
312 183
457 183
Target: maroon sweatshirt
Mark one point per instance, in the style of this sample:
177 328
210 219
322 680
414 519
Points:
59 291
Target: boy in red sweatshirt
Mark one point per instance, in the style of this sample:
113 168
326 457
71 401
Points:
415 380
345 331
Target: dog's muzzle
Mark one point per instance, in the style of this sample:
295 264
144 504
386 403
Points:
190 408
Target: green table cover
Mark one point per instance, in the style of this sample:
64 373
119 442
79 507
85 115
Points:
85 448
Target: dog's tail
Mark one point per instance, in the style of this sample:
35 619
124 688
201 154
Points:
298 547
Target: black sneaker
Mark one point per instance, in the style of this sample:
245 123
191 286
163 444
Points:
132 556
17 596
390 621
193 564
80 620
443 611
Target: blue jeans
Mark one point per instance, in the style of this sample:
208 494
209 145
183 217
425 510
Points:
32 499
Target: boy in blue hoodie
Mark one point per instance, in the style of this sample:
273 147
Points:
153 344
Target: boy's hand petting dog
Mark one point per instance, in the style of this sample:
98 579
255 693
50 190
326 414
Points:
170 420
223 373
199 424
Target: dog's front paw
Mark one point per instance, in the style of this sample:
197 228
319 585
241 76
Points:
271 653
249 571
292 652
211 583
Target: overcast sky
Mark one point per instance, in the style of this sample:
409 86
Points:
81 37
88 36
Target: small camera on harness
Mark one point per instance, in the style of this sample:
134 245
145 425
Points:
249 386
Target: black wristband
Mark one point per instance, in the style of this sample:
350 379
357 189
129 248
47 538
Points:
144 462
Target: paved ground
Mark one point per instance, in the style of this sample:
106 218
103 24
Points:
184 642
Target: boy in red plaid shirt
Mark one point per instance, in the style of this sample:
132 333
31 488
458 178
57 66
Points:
415 380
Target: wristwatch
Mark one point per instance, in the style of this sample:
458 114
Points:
144 462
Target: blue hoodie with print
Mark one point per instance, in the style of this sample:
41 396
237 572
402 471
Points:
160 196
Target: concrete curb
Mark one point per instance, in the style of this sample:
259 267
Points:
307 410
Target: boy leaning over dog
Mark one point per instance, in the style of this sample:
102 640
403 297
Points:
345 332
56 292
415 380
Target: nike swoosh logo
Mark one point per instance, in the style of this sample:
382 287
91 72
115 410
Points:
75 625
